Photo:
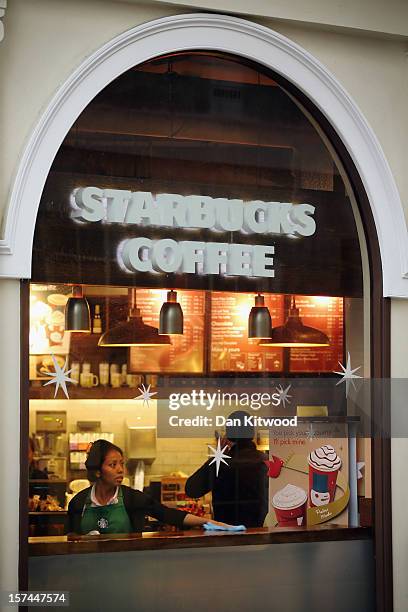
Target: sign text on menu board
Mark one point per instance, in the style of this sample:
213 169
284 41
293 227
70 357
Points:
192 212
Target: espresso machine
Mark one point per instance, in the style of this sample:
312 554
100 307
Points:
50 442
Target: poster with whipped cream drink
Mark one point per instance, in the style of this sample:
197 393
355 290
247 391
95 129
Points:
290 505
308 479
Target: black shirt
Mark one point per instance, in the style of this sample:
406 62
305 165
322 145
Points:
240 491
137 505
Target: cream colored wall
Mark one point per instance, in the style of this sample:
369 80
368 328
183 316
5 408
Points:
382 16
172 454
47 39
9 430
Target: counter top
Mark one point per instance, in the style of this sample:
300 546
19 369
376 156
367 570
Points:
63 545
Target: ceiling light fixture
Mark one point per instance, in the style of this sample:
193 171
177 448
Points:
77 313
259 321
133 332
293 334
171 316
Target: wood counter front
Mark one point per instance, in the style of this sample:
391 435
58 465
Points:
64 545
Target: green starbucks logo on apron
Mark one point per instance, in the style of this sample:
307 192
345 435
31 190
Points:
103 523
106 519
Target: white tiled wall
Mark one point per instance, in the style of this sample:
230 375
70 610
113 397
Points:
182 454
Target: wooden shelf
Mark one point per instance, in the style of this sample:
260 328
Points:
47 480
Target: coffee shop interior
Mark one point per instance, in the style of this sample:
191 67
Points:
228 131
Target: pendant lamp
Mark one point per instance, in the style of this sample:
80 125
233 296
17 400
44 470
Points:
133 332
259 321
293 334
171 315
77 313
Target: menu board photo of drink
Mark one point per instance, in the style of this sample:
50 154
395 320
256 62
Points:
231 349
185 354
325 314
48 338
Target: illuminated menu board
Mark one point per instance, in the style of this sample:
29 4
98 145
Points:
325 314
185 354
231 350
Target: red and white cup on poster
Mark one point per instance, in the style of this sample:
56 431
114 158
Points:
324 465
290 506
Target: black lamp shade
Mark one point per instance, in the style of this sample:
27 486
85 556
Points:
293 334
133 331
171 316
259 321
77 313
296 337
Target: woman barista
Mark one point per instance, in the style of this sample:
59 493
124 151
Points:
110 507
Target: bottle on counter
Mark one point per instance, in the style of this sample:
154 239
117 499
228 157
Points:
97 321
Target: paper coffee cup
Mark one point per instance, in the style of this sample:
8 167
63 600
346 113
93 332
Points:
290 506
324 465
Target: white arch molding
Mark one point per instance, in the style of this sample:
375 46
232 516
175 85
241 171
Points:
221 33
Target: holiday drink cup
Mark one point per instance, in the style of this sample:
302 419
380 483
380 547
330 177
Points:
324 465
290 506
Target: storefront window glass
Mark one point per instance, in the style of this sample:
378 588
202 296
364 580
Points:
196 215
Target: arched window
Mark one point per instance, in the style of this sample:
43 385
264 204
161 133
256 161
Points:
204 174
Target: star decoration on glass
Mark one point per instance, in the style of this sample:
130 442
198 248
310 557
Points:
59 377
348 375
218 456
145 394
284 397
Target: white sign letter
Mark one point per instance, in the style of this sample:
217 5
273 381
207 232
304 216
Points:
167 256
135 255
116 204
239 261
200 211
262 261
172 209
255 221
142 210
216 258
301 215
89 202
193 253
229 214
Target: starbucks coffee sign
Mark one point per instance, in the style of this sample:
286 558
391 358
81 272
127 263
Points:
191 213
